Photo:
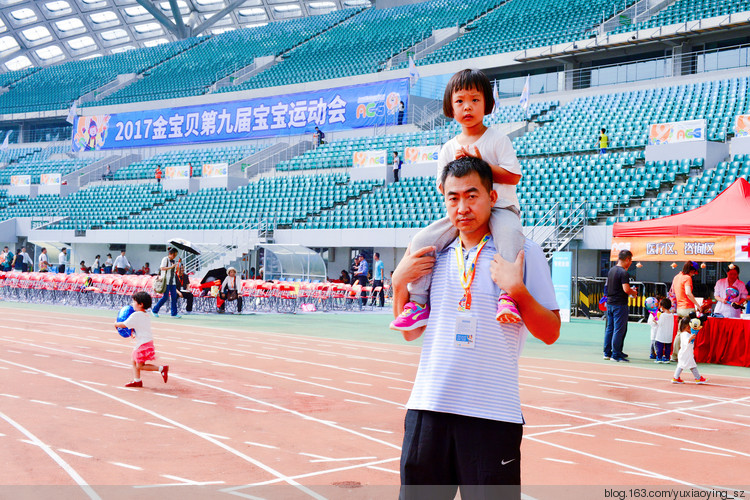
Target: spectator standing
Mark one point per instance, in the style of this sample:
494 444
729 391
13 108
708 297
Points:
377 278
108 264
360 275
23 262
62 260
121 264
318 137
183 288
603 141
7 261
727 306
396 166
168 265
43 261
97 267
400 116
158 174
618 289
107 174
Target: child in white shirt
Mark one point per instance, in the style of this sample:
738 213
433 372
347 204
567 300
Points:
661 331
685 358
140 324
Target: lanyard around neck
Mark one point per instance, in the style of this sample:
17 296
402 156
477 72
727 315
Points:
466 276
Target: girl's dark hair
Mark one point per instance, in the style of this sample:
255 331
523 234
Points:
689 266
666 304
143 299
464 80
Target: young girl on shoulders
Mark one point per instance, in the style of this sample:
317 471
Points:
468 98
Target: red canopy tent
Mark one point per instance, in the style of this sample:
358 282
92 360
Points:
718 231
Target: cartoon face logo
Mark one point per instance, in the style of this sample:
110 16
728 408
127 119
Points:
392 101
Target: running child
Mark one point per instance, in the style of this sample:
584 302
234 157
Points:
685 358
468 98
144 349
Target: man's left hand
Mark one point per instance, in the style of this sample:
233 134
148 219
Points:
507 275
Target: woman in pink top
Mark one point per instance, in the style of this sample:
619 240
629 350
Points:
730 305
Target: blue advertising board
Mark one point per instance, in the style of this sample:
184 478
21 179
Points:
562 263
343 108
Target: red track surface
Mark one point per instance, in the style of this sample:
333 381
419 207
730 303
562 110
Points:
248 408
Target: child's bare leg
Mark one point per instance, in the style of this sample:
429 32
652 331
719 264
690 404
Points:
148 367
136 371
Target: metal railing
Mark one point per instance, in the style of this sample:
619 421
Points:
557 228
589 291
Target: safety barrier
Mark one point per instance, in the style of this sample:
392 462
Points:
112 291
592 290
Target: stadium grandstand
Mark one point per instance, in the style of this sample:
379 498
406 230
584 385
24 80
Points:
223 97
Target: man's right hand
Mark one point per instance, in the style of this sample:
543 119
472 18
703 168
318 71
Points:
413 266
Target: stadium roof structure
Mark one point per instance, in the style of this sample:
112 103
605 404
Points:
43 32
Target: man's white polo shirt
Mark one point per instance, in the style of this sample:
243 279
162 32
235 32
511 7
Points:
481 382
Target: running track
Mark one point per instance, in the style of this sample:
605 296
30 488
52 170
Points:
247 411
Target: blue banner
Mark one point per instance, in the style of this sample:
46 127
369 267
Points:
343 108
562 263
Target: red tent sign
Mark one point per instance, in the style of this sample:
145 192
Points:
716 232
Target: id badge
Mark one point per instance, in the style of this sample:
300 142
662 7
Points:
465 334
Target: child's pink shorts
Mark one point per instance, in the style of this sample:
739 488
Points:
144 352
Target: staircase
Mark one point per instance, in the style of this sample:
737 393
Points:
558 228
636 13
267 159
244 237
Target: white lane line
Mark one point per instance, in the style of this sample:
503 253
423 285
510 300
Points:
94 383
567 381
259 386
679 402
236 354
204 402
530 377
41 355
113 351
313 455
617 415
377 430
636 442
212 380
54 456
560 461
118 417
269 446
308 394
42 402
579 433
161 394
30 372
546 425
4 368
189 482
321 460
127 466
652 476
217 436
549 408
391 373
708 452
79 409
83 361
77 454
14 352
322 378
11 396
400 389
285 374
383 469
695 428
358 383
251 409
558 393
257 463
358 402
160 425
613 386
